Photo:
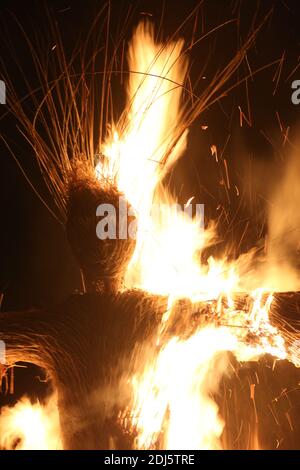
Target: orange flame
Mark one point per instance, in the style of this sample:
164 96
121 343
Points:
172 404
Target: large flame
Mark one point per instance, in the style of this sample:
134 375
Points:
173 407
172 393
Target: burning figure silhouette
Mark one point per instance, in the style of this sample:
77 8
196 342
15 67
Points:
139 344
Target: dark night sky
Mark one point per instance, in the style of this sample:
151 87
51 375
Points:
37 267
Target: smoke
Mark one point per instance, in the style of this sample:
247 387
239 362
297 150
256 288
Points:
274 264
283 242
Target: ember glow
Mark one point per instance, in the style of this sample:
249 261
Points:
172 404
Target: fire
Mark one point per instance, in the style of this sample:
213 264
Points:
28 426
137 147
136 159
172 405
178 383
172 394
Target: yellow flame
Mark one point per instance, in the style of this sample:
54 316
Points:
178 383
28 426
172 405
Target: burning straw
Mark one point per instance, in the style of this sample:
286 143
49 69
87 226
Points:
113 349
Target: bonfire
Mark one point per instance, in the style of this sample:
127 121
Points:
137 358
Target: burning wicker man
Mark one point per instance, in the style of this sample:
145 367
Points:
90 345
